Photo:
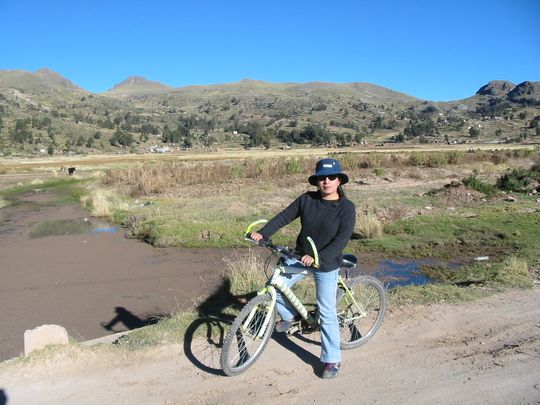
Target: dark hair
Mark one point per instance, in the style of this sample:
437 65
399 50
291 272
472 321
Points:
340 191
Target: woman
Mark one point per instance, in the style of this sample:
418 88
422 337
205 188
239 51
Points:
327 216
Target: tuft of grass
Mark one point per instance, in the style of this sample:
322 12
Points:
368 225
245 272
514 272
100 201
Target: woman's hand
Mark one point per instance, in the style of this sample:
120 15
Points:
307 260
256 236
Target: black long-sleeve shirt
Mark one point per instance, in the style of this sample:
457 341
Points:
329 223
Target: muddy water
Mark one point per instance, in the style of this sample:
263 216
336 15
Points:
93 281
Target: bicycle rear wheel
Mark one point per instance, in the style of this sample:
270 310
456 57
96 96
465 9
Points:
361 312
245 340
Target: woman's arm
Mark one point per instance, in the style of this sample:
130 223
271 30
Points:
285 217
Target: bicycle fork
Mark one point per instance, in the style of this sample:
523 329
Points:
277 282
350 300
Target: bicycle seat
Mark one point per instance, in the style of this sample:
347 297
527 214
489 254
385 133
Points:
349 261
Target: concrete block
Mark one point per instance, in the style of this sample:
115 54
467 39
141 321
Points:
38 338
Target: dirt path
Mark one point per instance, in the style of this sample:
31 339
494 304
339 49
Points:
486 352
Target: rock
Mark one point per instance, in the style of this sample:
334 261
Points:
510 199
38 338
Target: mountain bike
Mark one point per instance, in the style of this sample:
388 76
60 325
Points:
361 305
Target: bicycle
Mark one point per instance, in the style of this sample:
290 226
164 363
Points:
361 305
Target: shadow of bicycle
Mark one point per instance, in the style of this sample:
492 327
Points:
203 339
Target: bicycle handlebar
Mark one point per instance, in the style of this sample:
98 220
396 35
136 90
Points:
283 250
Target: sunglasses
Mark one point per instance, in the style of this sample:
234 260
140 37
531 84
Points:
330 177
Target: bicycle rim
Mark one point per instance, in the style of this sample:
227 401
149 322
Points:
245 340
361 315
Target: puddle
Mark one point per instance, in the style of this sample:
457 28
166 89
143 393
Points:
59 227
69 227
105 229
406 272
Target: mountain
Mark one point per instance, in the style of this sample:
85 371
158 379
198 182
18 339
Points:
527 93
42 80
137 85
496 88
55 79
45 111
365 91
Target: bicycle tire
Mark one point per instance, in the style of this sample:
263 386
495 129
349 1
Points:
358 325
236 354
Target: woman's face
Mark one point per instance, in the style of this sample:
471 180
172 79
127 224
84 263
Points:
328 186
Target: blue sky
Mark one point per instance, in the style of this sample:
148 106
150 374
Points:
434 50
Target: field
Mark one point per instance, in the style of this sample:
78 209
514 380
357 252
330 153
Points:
475 207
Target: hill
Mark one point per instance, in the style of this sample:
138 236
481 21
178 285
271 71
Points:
43 112
136 85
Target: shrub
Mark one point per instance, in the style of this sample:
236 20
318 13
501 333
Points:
473 182
519 179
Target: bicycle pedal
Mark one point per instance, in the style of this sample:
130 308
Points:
295 327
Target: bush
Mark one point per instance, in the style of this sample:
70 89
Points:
473 182
518 180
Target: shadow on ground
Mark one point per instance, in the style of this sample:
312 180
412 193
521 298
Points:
129 320
204 337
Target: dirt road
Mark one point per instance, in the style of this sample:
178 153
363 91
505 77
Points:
486 352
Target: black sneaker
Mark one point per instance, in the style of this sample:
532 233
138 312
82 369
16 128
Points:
282 326
331 370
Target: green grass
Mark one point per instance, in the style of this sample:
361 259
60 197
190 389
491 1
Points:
67 191
496 229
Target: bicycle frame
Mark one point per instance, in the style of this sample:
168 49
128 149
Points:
276 282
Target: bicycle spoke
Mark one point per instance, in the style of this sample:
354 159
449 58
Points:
243 344
361 310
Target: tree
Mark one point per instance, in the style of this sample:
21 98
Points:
90 142
121 138
21 133
474 132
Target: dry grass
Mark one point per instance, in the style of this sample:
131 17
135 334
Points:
157 178
514 271
368 225
246 272
160 178
100 201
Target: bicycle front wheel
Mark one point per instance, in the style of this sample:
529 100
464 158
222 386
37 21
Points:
360 313
246 339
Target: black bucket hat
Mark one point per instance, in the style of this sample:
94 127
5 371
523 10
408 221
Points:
327 167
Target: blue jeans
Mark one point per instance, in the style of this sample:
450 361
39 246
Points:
326 287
